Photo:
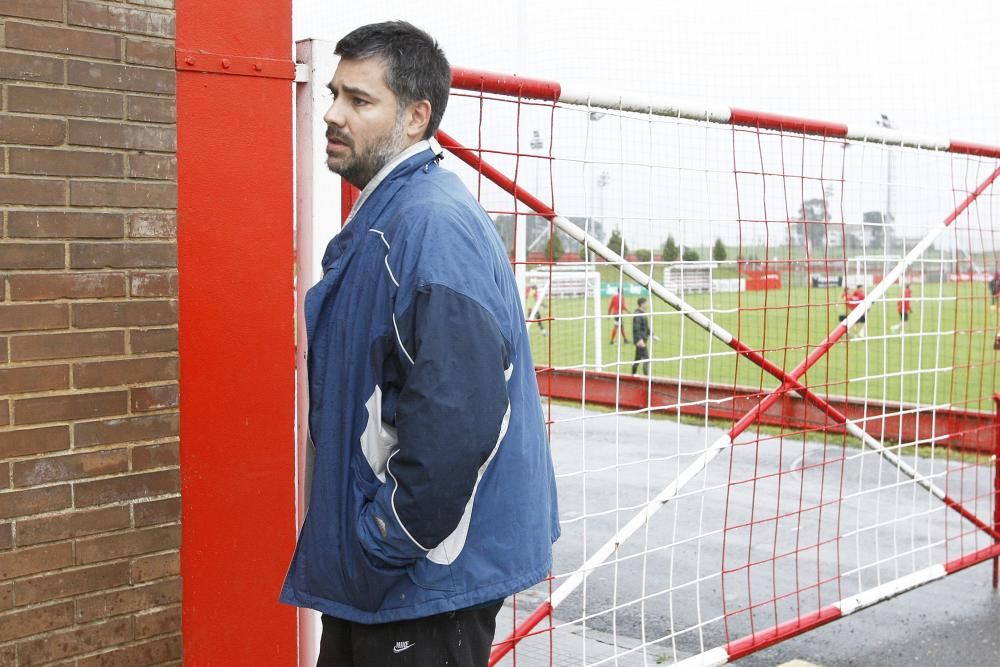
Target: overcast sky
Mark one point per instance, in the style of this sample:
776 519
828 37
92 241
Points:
928 65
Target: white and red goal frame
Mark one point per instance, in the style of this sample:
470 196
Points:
520 90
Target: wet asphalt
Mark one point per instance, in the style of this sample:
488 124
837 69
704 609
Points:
953 621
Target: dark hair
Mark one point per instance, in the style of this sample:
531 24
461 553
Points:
415 66
641 301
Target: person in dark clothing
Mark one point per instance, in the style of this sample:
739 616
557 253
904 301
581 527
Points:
433 496
640 336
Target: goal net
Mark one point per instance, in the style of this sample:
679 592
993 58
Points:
570 293
813 431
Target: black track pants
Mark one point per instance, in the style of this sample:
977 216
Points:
459 639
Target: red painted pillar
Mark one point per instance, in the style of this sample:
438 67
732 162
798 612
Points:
996 486
235 257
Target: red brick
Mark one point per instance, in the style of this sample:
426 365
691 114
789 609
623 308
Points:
156 456
32 131
122 255
4 475
126 429
26 379
155 512
87 639
68 583
131 78
152 224
158 622
37 347
127 313
32 191
25 562
153 54
44 287
151 166
57 101
129 194
131 543
136 598
6 602
33 317
30 67
37 161
6 535
75 524
52 39
31 256
158 566
71 466
4 413
124 371
147 399
65 224
126 487
34 501
120 19
151 109
67 407
150 653
152 340
122 135
153 284
35 621
27 442
44 10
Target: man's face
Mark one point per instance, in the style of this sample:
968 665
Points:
364 126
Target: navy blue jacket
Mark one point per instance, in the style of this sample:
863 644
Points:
432 486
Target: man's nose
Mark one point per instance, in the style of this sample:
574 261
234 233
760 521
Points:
334 115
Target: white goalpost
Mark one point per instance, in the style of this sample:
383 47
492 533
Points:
573 293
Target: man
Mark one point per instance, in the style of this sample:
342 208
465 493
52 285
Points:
994 290
433 494
903 307
857 296
640 336
535 308
615 309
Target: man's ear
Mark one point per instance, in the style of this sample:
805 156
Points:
419 117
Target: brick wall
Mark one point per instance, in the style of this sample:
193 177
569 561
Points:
89 477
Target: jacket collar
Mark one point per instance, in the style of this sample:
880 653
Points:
419 147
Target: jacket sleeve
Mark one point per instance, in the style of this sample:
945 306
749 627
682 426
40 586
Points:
450 417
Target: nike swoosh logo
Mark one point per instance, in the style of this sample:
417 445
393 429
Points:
402 646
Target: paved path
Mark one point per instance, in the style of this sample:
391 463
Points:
949 622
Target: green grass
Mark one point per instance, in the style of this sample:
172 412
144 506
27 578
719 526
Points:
957 366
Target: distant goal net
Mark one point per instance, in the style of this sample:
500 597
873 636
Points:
808 426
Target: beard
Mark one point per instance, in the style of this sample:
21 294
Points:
359 168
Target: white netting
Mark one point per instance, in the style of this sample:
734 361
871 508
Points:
685 528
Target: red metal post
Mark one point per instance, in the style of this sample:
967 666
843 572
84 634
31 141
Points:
348 195
996 489
237 340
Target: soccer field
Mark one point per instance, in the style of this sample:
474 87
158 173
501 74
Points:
943 355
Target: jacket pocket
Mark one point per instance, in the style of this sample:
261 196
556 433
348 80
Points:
366 583
428 574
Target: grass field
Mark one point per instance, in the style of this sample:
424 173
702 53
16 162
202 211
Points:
943 355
